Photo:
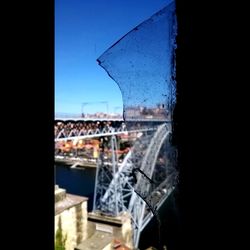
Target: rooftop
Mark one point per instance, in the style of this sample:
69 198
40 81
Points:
69 201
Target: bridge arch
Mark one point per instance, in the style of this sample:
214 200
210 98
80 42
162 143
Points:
128 188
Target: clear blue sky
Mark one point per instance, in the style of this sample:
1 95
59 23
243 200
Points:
84 29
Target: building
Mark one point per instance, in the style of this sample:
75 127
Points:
70 219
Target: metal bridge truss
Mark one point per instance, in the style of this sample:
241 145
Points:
131 187
97 133
83 132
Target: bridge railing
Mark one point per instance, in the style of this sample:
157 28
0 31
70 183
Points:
63 116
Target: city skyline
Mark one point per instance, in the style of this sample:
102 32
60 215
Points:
83 31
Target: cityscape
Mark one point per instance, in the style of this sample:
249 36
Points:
115 168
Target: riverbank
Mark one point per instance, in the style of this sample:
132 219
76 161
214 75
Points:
75 161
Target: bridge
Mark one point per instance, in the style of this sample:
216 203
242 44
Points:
142 182
70 117
88 134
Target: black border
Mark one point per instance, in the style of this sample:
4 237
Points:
29 88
